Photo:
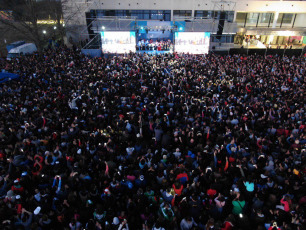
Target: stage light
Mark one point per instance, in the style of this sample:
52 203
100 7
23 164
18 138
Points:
181 28
103 27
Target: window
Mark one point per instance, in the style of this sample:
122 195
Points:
265 17
240 17
182 13
284 18
230 16
287 18
140 14
252 18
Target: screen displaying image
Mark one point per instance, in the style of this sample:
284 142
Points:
118 42
192 42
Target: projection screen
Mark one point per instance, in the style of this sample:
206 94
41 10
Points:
118 41
192 42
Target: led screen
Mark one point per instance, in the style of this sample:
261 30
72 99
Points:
192 42
118 42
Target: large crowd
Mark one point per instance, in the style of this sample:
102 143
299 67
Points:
172 141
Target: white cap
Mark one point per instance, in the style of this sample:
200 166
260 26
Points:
37 210
116 221
263 176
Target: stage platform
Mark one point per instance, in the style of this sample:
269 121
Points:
153 52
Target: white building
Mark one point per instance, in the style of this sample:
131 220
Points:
277 22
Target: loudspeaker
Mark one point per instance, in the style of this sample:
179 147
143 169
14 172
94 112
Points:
220 25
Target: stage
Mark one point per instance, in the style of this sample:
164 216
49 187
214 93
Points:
153 52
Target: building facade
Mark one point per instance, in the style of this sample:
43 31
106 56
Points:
272 22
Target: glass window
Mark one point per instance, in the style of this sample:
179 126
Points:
216 14
230 16
146 16
265 17
167 14
240 18
287 18
182 13
198 13
252 18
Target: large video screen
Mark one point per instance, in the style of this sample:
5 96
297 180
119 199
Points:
192 42
118 42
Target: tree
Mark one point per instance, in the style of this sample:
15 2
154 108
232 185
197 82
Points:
26 16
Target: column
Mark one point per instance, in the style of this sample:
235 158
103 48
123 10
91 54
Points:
275 19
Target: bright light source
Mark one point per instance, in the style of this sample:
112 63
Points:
181 28
54 27
240 215
64 25
141 28
44 32
103 27
286 33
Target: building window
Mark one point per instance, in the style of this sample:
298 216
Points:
284 18
140 14
240 18
252 18
265 17
182 13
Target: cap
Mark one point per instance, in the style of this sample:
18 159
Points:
18 197
37 210
236 190
115 221
16 181
263 176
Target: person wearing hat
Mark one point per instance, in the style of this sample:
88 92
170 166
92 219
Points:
17 188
